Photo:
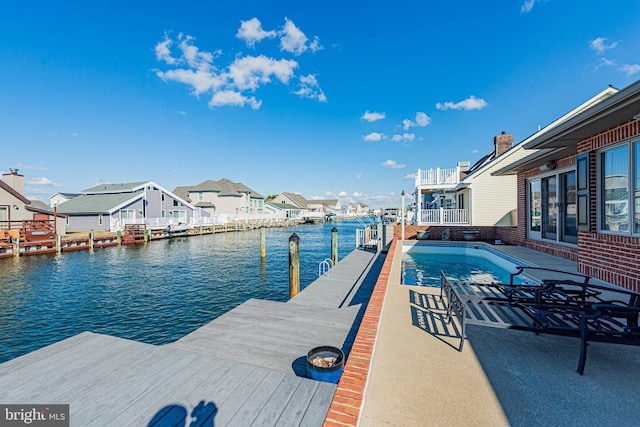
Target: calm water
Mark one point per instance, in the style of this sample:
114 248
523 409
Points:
154 294
424 269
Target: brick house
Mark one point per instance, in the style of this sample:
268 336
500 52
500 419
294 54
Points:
579 190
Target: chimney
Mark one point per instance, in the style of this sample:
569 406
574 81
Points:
502 143
15 180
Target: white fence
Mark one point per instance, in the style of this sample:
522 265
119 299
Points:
159 223
444 216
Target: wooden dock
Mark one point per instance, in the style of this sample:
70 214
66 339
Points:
244 368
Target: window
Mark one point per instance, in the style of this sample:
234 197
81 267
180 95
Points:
100 219
176 203
180 216
200 195
614 185
127 214
163 213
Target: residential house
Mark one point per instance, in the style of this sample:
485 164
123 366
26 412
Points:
475 195
16 211
59 198
293 199
111 206
329 207
225 199
579 190
355 209
283 210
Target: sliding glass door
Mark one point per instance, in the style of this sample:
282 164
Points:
552 208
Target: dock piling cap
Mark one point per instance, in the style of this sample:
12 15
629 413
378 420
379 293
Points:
294 238
334 230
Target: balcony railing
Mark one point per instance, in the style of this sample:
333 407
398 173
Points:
444 216
438 176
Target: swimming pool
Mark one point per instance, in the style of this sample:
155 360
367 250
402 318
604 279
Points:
421 264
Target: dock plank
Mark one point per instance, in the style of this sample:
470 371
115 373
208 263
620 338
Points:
249 363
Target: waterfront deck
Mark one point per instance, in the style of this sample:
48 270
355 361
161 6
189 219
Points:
247 367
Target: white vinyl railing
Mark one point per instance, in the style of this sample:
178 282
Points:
366 237
437 176
444 216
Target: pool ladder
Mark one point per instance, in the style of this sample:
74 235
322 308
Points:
325 267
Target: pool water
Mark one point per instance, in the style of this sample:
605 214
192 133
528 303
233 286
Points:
423 269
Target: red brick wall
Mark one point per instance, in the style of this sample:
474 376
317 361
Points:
614 259
435 232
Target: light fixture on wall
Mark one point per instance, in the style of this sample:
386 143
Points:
548 166
15 207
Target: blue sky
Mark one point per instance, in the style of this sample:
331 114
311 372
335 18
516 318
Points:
331 99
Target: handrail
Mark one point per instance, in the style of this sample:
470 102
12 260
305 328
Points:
325 267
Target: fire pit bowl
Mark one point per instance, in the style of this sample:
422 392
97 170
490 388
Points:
325 363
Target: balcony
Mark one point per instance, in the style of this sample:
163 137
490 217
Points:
440 178
443 217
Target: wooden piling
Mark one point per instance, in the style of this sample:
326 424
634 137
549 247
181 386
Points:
263 242
16 247
334 245
119 237
294 265
90 242
58 243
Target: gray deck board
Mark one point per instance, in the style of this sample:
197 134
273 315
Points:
247 363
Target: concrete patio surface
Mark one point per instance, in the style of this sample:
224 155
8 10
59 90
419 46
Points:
502 377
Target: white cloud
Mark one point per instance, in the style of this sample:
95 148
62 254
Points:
475 151
292 38
630 69
392 164
371 116
403 137
343 194
373 136
163 51
250 72
42 181
315 45
181 113
229 86
358 176
225 98
421 120
251 32
527 6
309 88
201 81
600 44
74 134
411 176
192 55
357 194
471 103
